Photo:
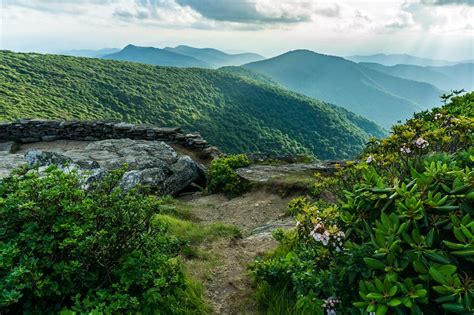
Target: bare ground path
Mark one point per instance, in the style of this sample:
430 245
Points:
222 267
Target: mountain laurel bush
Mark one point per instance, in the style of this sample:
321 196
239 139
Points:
400 239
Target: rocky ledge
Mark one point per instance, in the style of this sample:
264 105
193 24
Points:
267 173
154 164
39 130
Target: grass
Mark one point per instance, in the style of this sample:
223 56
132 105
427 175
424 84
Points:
276 301
196 233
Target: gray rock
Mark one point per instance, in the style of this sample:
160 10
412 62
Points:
152 177
8 147
185 170
152 164
267 173
36 158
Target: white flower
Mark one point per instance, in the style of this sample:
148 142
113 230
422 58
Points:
405 150
421 143
298 223
370 159
438 116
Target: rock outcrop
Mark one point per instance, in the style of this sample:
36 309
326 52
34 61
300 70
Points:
266 173
154 164
39 130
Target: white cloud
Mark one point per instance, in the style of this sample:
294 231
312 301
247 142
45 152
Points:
265 26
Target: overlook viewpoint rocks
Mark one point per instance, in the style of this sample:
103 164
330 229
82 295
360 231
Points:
39 130
93 148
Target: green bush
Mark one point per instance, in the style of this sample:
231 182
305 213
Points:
63 248
402 231
222 175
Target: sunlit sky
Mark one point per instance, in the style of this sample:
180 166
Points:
441 29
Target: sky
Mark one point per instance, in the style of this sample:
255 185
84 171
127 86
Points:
442 29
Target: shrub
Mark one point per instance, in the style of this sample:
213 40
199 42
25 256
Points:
222 175
402 231
63 248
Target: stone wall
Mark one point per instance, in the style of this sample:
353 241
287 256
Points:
37 130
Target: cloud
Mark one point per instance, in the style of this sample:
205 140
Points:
403 20
333 10
448 2
250 11
57 6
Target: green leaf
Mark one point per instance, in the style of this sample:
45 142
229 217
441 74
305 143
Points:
464 253
454 245
441 289
375 296
381 309
459 235
394 302
393 290
454 307
447 270
438 276
437 257
374 263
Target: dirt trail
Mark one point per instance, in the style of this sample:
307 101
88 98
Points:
257 214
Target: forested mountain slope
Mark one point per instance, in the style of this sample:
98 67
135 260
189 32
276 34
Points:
234 113
460 76
377 96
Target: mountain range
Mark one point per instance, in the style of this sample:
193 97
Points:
455 77
234 113
89 52
375 95
182 56
155 56
215 58
396 59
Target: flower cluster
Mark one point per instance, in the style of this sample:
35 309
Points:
330 305
370 159
405 149
421 143
328 237
438 116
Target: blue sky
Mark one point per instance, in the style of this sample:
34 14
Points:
430 28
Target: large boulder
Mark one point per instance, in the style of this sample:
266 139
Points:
153 164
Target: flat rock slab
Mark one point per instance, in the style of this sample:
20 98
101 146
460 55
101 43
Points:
268 173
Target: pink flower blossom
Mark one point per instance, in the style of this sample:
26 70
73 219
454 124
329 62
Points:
421 143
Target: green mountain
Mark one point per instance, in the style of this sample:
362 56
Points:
214 57
397 59
234 113
377 96
460 76
89 52
155 56
248 74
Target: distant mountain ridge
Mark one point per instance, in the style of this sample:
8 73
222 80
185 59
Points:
379 97
235 114
89 52
459 76
155 56
182 56
214 57
395 59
